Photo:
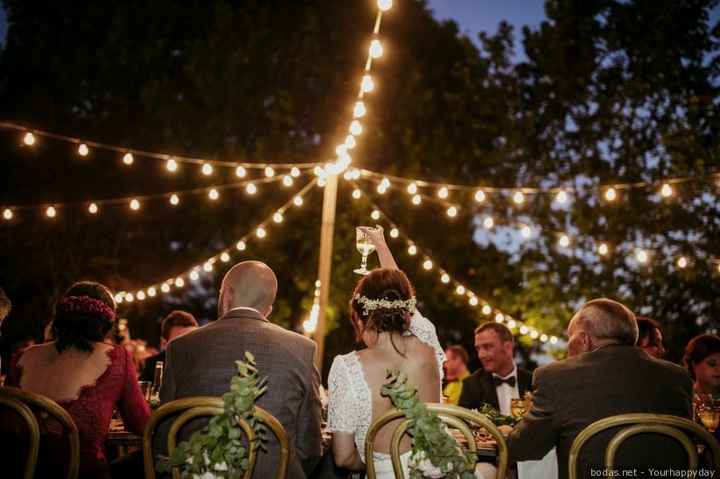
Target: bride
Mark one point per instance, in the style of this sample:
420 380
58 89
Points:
396 336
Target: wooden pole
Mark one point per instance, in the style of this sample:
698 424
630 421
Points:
325 261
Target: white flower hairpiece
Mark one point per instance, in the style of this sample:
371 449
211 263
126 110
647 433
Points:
373 304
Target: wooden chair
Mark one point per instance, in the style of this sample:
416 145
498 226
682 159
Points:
23 402
680 429
202 406
454 416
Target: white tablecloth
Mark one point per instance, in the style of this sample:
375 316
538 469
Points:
545 468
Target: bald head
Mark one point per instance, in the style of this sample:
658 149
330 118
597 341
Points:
250 284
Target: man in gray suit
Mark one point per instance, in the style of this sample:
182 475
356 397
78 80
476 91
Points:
605 375
201 363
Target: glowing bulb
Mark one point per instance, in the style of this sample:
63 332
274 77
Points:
128 159
499 318
412 250
526 231
278 217
375 215
682 262
171 165
251 189
295 172
165 288
241 245
385 183
321 182
416 200
93 208
666 191
207 267
479 196
488 222
443 192
384 5
356 128
213 194
179 282
194 276
427 264
7 214
367 85
129 298
240 172
83 149
269 172
486 310
376 49
174 200
561 197
359 110
356 194
298 201
224 257
50 212
564 241
512 324
445 278
553 340
382 189
394 233
452 212
350 142
543 338
603 249
140 295
287 181
642 256
473 301
260 232
29 139
412 188
152 292
519 197
610 194
119 298
523 330
460 290
134 205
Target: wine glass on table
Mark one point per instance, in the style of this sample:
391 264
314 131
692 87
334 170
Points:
364 246
518 408
708 412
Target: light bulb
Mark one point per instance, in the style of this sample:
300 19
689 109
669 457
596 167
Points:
92 208
174 200
518 197
526 231
412 188
412 250
394 233
416 200
224 257
564 241
213 194
543 338
287 181
194 276
350 142
452 212
129 298
251 189
269 172
553 340
486 309
260 232
50 212
499 318
356 194
561 197
428 264
207 267
603 249
171 165
473 301
119 298
445 278
179 282
356 128
83 150
359 110
375 215
165 288
376 49
610 194
443 192
128 159
479 196
682 262
240 172
384 5
641 256
207 169
382 189
241 245
7 214
460 289
278 217
488 222
523 330
666 191
29 139
367 85
152 292
295 172
134 205
140 295
512 324
298 201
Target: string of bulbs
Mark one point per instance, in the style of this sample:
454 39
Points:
310 324
207 266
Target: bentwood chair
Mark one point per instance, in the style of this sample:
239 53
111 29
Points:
682 430
455 417
190 408
23 403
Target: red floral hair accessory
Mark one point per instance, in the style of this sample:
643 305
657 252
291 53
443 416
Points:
86 305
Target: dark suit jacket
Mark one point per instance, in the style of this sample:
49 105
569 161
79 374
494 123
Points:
148 372
479 388
571 394
202 362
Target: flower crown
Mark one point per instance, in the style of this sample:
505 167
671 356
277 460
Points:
373 304
86 305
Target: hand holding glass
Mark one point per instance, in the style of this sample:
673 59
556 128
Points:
365 246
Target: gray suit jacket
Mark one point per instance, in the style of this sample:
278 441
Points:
571 394
202 362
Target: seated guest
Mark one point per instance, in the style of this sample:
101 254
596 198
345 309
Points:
650 337
702 358
202 362
84 373
455 372
175 324
605 375
500 380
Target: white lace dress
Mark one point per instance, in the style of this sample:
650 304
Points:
350 399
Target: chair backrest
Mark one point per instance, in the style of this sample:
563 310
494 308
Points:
454 416
23 402
681 429
187 409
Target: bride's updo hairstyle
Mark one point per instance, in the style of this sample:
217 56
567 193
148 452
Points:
84 315
383 301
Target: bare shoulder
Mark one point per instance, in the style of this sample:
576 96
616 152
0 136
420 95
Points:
38 352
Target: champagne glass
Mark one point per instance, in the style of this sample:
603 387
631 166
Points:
709 415
365 247
518 408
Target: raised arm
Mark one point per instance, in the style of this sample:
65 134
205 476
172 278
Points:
377 237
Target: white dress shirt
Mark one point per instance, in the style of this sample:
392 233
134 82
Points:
505 392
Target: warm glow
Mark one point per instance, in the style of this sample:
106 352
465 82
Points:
428 264
129 297
564 241
295 172
394 233
7 214
445 278
473 301
488 222
119 298
134 205
83 150
128 159
412 188
140 295
356 194
151 292
356 128
443 192
519 197
603 249
179 282
92 208
50 212
251 189
213 194
376 49
416 200
526 231
241 245
381 188
642 256
452 212
165 288
207 169
240 172
682 262
269 172
460 289
171 165
479 196
350 142
561 197
512 324
367 84
385 5
499 318
359 110
553 340
278 217
375 215
287 181
174 200
486 310
194 275
523 330
543 338
298 201
610 194
261 232
29 139
667 191
208 267
412 250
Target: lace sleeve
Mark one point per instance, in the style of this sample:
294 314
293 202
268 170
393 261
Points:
341 417
424 330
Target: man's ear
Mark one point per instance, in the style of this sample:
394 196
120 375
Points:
163 343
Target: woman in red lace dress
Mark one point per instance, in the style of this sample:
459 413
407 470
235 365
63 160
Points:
86 375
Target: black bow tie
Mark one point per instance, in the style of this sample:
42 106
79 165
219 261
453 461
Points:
497 381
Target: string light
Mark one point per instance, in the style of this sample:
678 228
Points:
394 233
50 212
194 276
298 201
269 172
241 246
359 110
129 298
642 256
179 282
356 194
165 288
93 208
174 200
278 217
416 200
207 267
128 159
295 172
356 128
562 197
29 139
207 169
260 232
134 204
376 49
473 301
213 194
564 241
666 190
251 189
682 262
460 290
240 172
287 181
452 212
350 142
367 85
412 188
7 214
488 222
518 197
526 231
428 264
224 257
412 250
152 292
375 215
385 5
480 196
445 278
610 194
140 295
603 249
83 149
486 309
171 165
499 318
443 193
